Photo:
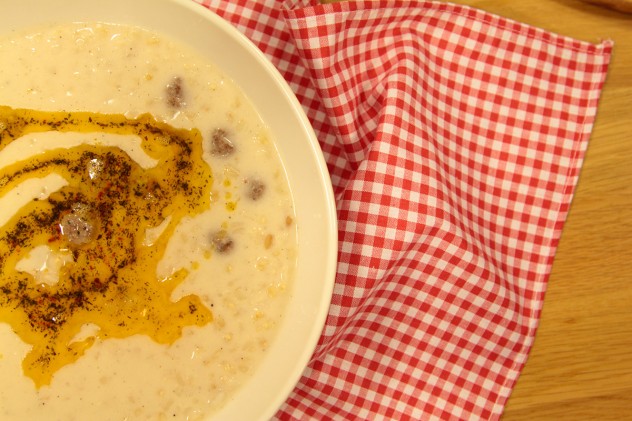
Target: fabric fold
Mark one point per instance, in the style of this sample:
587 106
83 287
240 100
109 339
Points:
455 140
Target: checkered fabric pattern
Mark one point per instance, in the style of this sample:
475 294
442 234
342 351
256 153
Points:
454 139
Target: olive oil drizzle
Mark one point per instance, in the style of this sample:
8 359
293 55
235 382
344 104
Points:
111 280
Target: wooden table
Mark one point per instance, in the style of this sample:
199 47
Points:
580 367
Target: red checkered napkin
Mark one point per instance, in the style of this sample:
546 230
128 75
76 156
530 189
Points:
454 140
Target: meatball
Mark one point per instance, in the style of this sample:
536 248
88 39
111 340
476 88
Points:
221 145
222 242
175 93
255 188
78 227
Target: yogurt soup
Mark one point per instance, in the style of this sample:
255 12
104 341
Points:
147 231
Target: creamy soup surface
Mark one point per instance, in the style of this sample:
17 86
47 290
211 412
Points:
221 248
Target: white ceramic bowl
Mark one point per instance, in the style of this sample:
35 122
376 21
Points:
188 22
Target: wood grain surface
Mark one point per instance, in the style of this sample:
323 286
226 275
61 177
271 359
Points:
580 367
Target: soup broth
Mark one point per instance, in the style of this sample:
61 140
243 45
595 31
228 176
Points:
147 231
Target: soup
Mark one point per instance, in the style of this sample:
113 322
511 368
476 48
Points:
147 235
